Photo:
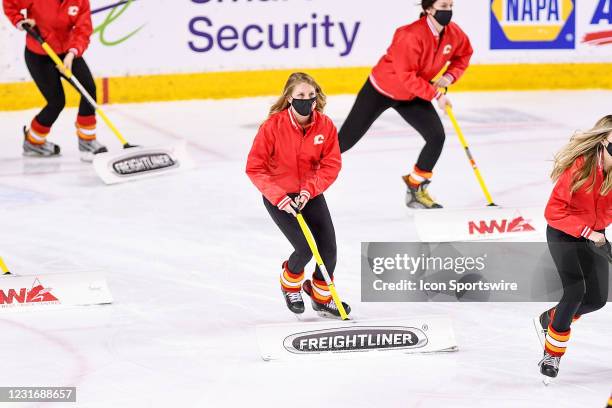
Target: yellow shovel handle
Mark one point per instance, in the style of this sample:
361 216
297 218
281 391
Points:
315 252
68 73
463 142
3 267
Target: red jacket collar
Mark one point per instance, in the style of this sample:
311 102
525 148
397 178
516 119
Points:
432 28
296 125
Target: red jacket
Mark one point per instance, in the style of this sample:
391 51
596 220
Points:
288 159
64 24
416 56
579 213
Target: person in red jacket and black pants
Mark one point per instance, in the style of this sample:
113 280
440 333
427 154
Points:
294 159
578 212
66 27
402 80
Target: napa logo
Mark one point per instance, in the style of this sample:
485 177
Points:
533 24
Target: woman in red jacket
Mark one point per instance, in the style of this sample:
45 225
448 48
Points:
402 80
578 212
66 27
295 157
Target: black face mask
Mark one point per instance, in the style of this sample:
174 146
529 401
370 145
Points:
609 148
303 106
443 17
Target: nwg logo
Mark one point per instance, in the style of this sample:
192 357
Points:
36 294
503 226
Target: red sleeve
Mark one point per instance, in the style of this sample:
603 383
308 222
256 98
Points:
557 213
461 58
329 166
12 9
257 165
82 30
407 53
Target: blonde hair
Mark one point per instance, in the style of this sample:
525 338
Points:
588 145
295 79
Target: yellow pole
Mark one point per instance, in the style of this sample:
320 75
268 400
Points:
76 83
315 252
4 268
483 186
451 115
442 72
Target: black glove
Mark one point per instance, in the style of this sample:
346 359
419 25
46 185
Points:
605 250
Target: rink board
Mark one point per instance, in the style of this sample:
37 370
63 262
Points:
334 339
50 291
142 162
478 224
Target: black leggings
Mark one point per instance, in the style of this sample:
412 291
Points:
583 273
47 79
320 223
419 113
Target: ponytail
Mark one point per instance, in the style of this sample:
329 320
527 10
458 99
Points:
426 4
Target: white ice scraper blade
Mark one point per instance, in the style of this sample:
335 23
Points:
51 291
489 223
334 338
142 162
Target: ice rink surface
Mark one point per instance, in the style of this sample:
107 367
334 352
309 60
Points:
193 260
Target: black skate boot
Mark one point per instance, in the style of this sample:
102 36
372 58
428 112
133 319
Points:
46 149
328 310
89 148
541 324
549 367
418 198
294 300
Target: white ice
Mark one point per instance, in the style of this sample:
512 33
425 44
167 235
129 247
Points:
193 262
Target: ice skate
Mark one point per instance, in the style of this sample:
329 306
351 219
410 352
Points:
45 149
549 367
327 310
418 198
294 301
291 287
89 148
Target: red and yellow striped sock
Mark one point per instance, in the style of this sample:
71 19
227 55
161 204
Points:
37 133
291 282
320 291
86 127
417 176
556 342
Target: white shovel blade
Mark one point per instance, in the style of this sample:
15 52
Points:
488 223
141 162
334 338
50 291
